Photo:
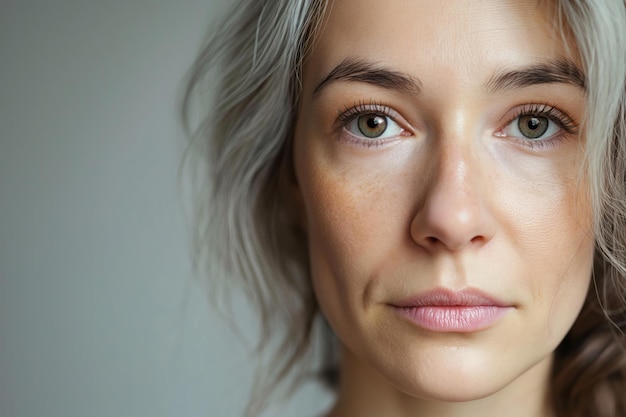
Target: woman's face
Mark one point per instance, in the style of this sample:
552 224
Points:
437 159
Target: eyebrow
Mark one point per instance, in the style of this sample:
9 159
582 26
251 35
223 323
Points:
357 70
558 71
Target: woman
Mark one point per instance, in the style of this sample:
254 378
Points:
443 183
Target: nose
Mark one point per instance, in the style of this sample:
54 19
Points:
452 212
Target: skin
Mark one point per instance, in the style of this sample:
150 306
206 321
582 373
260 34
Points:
454 198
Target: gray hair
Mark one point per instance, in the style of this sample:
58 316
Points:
244 234
599 28
241 221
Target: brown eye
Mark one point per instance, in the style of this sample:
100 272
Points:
372 125
532 126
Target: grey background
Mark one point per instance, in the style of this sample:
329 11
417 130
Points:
100 314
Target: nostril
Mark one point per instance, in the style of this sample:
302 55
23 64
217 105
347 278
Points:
477 239
439 225
451 243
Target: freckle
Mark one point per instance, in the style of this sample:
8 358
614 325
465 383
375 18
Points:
369 187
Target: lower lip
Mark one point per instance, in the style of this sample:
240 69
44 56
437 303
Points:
460 319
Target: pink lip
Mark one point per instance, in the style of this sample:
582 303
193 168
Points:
444 310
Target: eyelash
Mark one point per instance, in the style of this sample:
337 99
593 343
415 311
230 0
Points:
349 113
563 121
550 112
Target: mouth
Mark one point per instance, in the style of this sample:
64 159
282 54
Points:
444 310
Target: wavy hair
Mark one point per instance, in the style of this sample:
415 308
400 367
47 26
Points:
589 373
245 235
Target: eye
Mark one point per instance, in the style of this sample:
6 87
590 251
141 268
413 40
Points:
373 126
530 126
538 123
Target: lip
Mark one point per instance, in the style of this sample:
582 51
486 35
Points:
445 310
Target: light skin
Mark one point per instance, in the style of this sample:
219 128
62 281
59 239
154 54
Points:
415 170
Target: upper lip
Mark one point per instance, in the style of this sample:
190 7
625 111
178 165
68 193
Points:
468 297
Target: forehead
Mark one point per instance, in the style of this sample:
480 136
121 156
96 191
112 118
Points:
454 39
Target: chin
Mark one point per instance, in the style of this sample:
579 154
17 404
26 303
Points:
454 389
459 373
451 385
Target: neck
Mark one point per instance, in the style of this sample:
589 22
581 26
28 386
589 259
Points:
364 392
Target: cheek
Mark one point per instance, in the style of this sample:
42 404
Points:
358 226
351 228
572 259
559 302
554 246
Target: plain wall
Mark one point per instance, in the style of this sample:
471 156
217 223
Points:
100 314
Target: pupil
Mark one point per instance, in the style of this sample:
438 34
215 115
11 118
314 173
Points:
533 123
533 127
372 125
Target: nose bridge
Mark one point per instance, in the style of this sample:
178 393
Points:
452 213
452 190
